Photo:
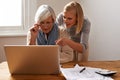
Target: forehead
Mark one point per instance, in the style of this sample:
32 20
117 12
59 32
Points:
49 19
70 13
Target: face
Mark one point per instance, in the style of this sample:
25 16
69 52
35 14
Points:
69 18
46 25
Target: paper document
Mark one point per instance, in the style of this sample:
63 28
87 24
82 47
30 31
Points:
83 73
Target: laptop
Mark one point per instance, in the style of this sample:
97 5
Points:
32 59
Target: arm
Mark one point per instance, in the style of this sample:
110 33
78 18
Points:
80 47
74 45
85 34
32 35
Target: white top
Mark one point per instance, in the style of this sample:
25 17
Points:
66 52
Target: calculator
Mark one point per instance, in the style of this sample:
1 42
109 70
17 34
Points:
105 72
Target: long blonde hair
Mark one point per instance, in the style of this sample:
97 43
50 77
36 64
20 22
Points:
79 13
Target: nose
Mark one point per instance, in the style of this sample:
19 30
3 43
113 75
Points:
46 25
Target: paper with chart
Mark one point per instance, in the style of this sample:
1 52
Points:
87 74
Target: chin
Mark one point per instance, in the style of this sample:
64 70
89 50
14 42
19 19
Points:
68 26
46 32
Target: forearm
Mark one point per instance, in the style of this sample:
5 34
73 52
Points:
30 40
74 45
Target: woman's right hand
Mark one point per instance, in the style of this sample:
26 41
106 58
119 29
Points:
34 31
33 34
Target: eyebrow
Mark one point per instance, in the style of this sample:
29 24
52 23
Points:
67 17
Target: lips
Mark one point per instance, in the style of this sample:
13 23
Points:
46 30
68 25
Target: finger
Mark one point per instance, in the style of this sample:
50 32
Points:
59 42
36 25
32 30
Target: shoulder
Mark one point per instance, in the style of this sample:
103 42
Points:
86 24
59 19
55 26
86 21
60 15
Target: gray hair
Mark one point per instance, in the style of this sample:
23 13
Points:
43 12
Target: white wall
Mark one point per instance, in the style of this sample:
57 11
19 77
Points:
104 36
8 41
55 4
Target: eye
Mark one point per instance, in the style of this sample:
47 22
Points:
48 22
69 18
64 17
41 22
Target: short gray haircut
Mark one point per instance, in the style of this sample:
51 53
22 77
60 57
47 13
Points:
43 12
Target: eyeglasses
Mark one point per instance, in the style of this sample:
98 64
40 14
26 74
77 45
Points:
46 23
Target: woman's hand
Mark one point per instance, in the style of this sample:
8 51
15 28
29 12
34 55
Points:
62 41
33 34
34 31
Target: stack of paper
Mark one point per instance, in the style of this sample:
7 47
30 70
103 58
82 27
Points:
87 74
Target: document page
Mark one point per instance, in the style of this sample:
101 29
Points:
83 73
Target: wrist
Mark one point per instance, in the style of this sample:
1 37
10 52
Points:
32 41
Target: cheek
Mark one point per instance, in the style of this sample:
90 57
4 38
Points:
47 30
41 29
72 22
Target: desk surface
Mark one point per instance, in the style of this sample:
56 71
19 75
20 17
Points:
111 65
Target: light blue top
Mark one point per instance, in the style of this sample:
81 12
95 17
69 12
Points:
52 37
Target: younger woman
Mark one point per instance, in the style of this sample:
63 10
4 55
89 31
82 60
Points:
74 31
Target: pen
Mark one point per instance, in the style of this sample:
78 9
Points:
82 70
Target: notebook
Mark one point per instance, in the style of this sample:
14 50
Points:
32 59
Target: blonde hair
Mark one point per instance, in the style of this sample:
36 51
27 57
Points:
73 5
43 12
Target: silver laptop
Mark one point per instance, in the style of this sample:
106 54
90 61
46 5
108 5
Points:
32 59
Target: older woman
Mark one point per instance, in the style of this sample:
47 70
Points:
44 31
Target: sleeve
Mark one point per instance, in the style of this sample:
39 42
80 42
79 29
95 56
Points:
85 33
